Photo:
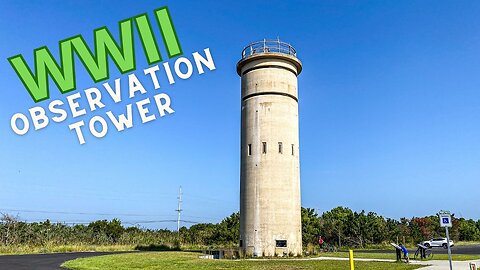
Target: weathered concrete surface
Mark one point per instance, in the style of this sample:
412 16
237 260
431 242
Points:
270 178
444 265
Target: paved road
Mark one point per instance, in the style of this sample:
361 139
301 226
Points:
428 265
43 261
467 250
444 265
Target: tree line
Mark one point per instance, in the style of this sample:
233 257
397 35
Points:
340 227
343 227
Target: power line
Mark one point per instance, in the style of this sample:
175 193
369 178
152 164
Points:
160 221
206 218
74 222
80 213
105 214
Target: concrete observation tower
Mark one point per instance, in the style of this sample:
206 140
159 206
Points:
270 214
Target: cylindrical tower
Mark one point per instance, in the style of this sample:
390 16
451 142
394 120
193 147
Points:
270 211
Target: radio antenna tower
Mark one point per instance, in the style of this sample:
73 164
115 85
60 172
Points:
179 208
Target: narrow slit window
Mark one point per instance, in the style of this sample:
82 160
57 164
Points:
249 149
293 149
264 148
280 148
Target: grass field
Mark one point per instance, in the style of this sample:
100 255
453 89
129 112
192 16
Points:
25 249
391 256
53 248
467 243
187 261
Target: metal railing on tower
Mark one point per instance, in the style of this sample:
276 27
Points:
268 46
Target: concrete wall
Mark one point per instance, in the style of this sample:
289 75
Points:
270 182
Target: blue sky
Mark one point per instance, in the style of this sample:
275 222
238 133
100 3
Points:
389 111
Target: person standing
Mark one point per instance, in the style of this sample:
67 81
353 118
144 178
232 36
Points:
320 241
398 251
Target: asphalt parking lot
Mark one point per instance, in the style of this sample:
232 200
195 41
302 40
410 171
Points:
43 261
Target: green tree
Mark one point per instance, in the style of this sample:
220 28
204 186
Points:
310 226
229 229
334 224
468 230
111 230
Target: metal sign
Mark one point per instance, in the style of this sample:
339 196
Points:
445 219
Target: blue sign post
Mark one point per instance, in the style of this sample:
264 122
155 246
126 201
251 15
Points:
446 221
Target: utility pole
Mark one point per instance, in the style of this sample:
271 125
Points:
179 208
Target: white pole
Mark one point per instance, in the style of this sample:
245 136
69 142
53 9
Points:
449 250
179 209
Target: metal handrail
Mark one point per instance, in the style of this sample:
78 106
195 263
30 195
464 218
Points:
268 46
